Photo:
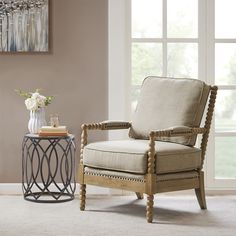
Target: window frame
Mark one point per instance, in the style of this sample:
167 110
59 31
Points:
206 72
213 182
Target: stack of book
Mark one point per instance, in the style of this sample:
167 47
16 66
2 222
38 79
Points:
53 131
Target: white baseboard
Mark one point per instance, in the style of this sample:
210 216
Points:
16 189
8 189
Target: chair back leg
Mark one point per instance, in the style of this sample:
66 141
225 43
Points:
139 195
200 192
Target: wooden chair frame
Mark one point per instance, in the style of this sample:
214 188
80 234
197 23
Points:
150 185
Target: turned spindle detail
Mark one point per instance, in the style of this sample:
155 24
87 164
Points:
151 153
207 125
82 196
149 209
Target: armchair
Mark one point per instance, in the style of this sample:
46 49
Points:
160 154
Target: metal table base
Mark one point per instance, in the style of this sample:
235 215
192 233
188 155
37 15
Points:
48 168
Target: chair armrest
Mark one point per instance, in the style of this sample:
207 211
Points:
178 131
107 125
112 124
170 132
104 125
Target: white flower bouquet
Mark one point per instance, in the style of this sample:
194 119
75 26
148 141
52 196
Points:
35 101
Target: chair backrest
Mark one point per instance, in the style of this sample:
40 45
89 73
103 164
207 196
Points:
169 102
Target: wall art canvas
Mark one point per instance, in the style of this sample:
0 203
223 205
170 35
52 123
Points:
24 25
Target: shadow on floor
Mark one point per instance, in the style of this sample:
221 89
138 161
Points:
162 215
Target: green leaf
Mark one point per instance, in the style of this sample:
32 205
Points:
22 93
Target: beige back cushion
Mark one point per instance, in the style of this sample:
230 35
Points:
168 102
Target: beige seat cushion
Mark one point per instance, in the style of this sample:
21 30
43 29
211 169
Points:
168 102
131 156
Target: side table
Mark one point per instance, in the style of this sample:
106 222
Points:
48 168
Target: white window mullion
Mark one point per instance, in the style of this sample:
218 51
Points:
164 32
182 40
210 75
202 52
225 134
147 40
225 40
129 62
227 87
202 32
162 40
210 41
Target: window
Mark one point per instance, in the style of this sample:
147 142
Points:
164 40
197 39
225 77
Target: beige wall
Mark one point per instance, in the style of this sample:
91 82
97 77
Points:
76 72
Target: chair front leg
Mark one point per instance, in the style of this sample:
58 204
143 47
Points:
150 179
82 196
81 168
149 209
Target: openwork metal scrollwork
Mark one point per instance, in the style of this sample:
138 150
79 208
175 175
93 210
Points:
48 168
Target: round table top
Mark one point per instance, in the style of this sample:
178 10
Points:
36 136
